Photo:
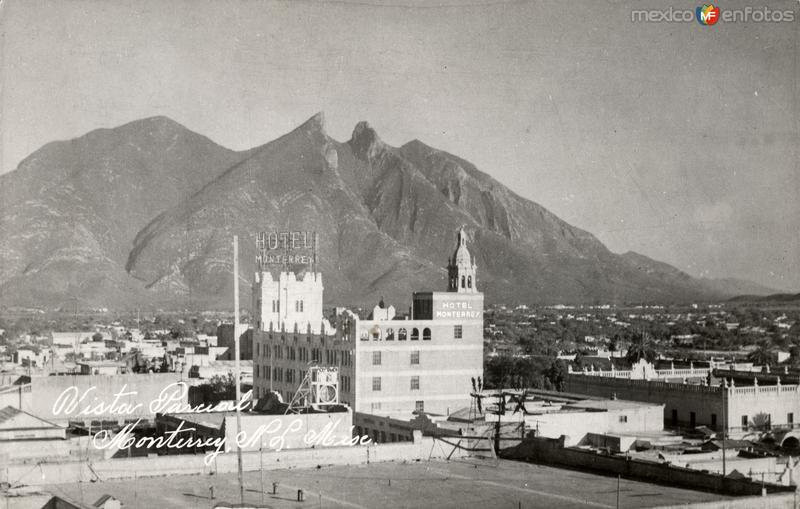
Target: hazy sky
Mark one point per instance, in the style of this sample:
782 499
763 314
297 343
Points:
675 140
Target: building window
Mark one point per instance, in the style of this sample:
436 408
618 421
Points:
415 357
389 334
426 334
458 331
414 334
375 407
376 333
401 335
713 421
469 281
301 306
414 383
376 383
419 406
623 418
463 279
744 422
790 419
376 358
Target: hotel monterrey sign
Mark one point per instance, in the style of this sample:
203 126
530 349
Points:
286 248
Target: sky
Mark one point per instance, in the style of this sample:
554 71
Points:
675 140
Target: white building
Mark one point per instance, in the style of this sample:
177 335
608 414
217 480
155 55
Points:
386 365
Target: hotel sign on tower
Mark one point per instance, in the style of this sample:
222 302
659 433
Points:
286 248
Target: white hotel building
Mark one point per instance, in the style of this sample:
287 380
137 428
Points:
386 366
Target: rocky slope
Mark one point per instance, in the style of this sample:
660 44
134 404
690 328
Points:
144 213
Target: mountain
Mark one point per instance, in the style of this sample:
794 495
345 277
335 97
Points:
71 210
772 298
144 214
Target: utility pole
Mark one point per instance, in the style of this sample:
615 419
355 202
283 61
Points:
724 427
261 468
237 367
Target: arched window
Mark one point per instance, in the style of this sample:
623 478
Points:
364 335
462 281
469 281
375 332
426 334
402 335
389 334
414 334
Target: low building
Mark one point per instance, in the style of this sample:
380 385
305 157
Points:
16 425
690 401
102 367
30 357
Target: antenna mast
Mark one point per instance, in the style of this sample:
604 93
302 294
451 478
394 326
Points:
237 367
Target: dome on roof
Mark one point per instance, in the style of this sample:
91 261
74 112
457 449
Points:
461 256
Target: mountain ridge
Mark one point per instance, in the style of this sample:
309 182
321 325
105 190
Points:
164 201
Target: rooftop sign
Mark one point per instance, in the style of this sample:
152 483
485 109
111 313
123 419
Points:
286 248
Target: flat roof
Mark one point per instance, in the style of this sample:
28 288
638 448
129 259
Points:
610 404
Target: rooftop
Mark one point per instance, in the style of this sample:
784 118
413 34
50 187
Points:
611 404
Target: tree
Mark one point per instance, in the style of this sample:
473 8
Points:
794 355
223 384
555 375
499 371
761 422
642 347
762 355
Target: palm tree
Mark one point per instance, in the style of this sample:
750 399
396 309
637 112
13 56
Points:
642 347
763 355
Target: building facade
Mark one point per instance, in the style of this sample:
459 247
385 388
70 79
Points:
693 402
387 365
